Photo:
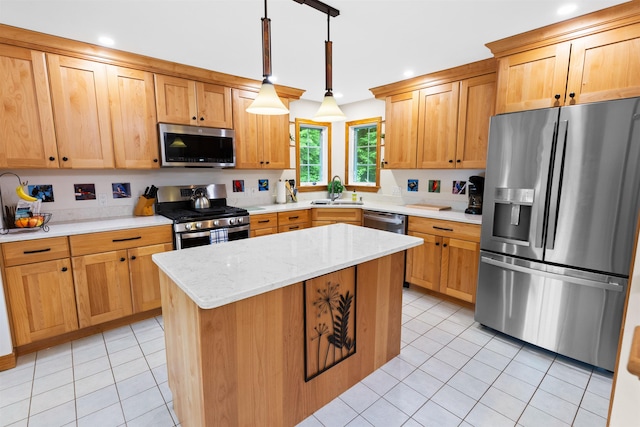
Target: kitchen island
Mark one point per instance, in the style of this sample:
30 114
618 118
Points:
266 331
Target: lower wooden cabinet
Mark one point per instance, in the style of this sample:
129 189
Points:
40 292
145 277
447 261
293 220
263 224
326 216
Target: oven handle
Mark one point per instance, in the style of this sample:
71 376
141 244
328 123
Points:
194 235
238 229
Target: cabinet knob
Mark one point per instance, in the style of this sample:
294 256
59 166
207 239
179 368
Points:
261 162
64 159
193 118
458 161
155 160
52 158
437 244
572 95
444 245
133 257
557 96
123 259
202 119
267 162
64 269
450 161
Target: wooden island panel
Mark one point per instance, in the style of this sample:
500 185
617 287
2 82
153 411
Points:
243 364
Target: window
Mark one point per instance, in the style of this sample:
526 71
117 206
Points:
313 148
363 153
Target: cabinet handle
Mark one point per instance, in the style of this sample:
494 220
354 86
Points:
294 227
36 251
64 159
557 96
52 158
126 239
264 221
64 269
123 259
133 257
572 95
294 217
442 228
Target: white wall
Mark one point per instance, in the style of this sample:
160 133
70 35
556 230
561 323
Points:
626 409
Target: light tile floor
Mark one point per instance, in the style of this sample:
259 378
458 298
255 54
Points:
451 372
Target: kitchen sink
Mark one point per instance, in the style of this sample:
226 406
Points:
335 202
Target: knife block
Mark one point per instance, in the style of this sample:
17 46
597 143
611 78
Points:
144 207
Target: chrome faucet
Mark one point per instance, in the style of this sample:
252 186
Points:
332 194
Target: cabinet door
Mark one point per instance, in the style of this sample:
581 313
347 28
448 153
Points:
41 300
248 131
424 262
145 277
81 106
102 285
605 66
477 103
176 100
437 126
133 118
26 116
214 105
401 131
460 268
533 79
275 140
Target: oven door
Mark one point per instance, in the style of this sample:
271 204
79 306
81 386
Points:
192 239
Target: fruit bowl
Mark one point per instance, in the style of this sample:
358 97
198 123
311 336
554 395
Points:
34 221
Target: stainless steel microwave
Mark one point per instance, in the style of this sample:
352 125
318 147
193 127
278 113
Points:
196 146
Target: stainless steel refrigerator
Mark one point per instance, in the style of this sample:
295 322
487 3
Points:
561 201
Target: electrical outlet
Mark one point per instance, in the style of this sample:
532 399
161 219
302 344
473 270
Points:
254 190
102 199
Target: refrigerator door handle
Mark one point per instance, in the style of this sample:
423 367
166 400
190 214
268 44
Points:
541 201
608 286
556 184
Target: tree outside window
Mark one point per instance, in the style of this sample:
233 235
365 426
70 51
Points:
363 154
313 145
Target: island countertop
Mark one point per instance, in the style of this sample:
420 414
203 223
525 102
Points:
215 275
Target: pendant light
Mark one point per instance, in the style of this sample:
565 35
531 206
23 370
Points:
329 110
267 102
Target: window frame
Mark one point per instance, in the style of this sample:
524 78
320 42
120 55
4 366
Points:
348 145
311 123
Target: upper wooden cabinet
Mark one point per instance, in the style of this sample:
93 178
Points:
194 103
443 122
133 118
262 142
81 106
28 138
586 59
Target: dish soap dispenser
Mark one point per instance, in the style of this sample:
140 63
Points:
354 196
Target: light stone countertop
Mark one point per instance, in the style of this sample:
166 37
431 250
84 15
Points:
83 227
448 215
216 275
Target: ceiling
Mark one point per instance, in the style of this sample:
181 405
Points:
374 41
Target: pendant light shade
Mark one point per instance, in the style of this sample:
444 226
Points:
267 102
329 110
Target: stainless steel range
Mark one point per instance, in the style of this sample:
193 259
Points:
197 222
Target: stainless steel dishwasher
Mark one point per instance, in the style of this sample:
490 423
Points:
395 223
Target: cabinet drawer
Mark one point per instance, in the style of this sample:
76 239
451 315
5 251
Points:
92 243
263 221
292 227
293 217
26 252
337 215
459 230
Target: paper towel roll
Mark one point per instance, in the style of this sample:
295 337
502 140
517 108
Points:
281 192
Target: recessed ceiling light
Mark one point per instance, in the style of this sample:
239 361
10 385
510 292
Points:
408 73
567 9
106 41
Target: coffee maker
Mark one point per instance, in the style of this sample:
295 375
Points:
476 188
